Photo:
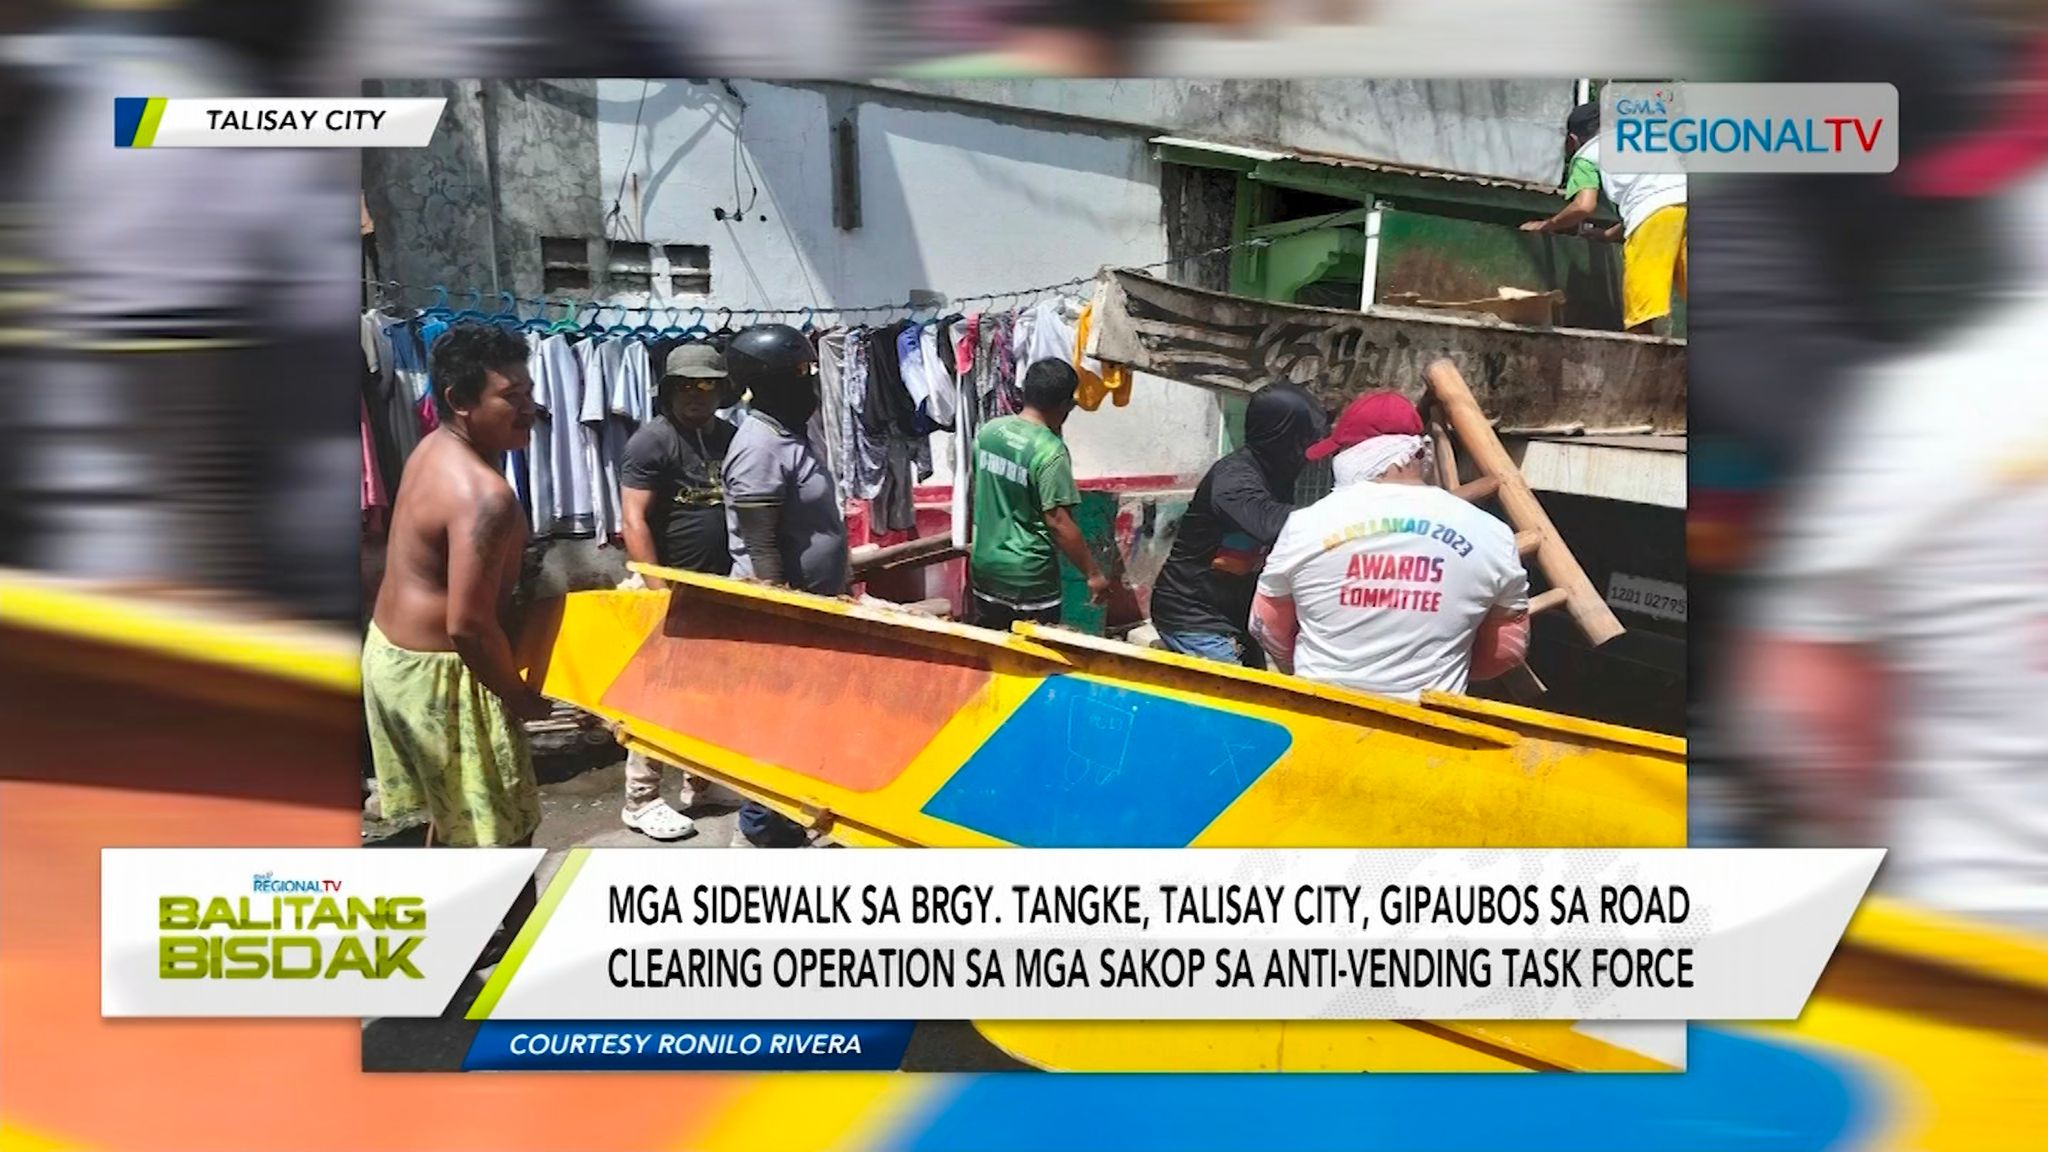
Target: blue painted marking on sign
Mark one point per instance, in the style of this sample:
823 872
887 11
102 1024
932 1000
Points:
1082 764
128 112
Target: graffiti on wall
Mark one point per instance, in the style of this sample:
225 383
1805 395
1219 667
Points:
1527 378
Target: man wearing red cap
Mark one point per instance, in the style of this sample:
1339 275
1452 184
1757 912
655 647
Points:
1390 584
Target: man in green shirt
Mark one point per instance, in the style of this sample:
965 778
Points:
1652 227
1582 189
1024 499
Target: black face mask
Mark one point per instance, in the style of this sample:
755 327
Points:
791 405
1280 423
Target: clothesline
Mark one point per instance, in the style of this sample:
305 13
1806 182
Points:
507 301
884 389
1018 297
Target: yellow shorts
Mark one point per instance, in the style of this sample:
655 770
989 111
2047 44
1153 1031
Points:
443 742
1653 266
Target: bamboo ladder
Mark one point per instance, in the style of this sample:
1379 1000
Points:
1453 411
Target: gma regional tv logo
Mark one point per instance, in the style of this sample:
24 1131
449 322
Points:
1820 128
289 928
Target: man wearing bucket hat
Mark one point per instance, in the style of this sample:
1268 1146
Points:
1390 584
673 513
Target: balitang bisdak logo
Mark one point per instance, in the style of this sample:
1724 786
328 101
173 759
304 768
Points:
289 928
1667 128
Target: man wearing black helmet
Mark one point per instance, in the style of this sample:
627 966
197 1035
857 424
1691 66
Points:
781 501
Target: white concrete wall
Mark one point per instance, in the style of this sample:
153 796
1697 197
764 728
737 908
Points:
960 203
1511 128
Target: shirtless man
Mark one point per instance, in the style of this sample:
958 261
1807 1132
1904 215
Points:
441 689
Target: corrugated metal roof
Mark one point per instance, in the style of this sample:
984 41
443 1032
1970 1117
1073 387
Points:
1332 160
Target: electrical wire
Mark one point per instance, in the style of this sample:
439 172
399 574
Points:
612 215
1023 296
740 158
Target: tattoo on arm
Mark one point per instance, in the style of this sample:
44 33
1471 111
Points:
493 521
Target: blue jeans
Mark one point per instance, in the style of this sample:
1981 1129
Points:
1218 646
766 828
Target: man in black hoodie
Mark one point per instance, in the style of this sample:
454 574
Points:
1203 598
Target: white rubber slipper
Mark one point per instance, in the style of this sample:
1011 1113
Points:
658 821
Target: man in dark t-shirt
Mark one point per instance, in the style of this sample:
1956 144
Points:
673 505
1202 600
673 509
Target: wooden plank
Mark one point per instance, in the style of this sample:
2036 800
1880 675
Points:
924 550
1446 456
1520 505
1483 488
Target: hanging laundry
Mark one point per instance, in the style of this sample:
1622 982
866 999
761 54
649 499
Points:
632 392
958 350
401 387
394 427
935 349
888 406
432 329
871 455
617 399
375 499
429 415
408 359
913 367
591 362
963 336
532 472
1097 379
842 380
558 443
906 462
995 367
1020 341
1049 333
514 467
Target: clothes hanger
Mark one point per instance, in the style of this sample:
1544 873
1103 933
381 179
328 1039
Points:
619 329
439 310
809 323
697 333
507 315
675 330
725 329
390 296
568 321
474 312
538 322
647 332
595 328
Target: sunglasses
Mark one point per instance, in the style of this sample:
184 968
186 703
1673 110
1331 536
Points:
695 383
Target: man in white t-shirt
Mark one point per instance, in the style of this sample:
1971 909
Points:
1652 228
1390 584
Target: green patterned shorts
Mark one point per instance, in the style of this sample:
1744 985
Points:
442 741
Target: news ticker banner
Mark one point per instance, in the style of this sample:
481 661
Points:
360 122
992 934
1684 127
